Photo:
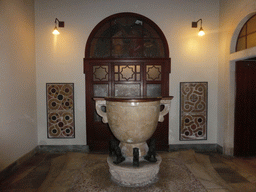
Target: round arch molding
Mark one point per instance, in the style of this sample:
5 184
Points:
126 35
126 55
237 30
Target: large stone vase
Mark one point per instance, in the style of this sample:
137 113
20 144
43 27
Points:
133 121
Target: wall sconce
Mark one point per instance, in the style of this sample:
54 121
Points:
201 31
60 24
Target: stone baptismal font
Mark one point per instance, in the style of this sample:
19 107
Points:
133 121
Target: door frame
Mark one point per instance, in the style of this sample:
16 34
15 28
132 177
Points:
148 28
232 57
228 140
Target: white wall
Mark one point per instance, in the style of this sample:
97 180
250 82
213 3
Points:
61 60
17 80
233 15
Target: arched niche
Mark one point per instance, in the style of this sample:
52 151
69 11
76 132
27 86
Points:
126 54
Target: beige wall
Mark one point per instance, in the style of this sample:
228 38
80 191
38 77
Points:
61 59
18 133
233 14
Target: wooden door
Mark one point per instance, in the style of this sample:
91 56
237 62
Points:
245 109
126 55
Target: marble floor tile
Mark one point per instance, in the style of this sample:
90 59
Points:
56 172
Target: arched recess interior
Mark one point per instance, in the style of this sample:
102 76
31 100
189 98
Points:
126 55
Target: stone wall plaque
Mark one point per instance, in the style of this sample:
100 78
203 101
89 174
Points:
60 110
193 110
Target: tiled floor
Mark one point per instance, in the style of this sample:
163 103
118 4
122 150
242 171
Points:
30 174
239 173
216 172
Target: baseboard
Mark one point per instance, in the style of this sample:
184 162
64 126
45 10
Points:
202 148
14 166
63 148
220 149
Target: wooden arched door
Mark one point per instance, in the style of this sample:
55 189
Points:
126 55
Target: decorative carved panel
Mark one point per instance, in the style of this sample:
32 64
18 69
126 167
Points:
100 73
153 72
193 110
127 72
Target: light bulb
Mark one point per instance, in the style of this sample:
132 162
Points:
201 32
55 31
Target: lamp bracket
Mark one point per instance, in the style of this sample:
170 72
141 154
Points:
194 23
60 23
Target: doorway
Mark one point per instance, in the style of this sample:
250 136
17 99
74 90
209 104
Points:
245 108
126 55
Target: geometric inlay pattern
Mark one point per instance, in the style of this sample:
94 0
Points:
60 110
153 72
193 110
127 72
100 73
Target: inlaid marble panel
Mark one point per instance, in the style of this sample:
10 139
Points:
193 110
60 110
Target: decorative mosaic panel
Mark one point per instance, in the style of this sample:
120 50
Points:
193 110
60 110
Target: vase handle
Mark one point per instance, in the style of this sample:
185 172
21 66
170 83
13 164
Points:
166 102
98 105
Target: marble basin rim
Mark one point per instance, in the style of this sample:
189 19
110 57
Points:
133 120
